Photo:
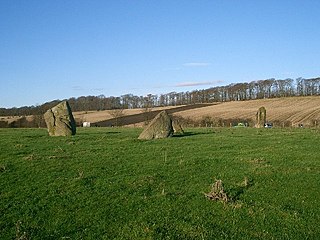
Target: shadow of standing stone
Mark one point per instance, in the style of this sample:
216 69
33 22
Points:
60 121
159 127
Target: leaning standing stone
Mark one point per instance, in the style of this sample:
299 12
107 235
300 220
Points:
159 127
60 121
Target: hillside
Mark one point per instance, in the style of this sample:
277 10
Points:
98 116
297 110
290 110
140 118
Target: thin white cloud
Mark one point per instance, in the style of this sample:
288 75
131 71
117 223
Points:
77 88
98 89
196 64
192 84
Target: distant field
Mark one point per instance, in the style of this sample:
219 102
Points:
296 110
104 183
97 116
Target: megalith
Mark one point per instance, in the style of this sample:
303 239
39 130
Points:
261 117
159 127
177 128
60 121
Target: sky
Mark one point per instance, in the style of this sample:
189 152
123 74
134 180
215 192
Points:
57 49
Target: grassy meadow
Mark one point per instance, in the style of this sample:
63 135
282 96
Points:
104 183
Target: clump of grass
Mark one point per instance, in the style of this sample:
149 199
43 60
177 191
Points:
80 174
3 168
30 157
217 192
20 235
246 182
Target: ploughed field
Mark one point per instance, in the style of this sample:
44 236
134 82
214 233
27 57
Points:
296 110
289 111
104 183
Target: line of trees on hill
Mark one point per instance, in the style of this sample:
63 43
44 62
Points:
260 89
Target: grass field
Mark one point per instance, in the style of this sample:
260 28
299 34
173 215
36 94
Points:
104 183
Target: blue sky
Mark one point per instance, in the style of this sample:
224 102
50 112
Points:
57 49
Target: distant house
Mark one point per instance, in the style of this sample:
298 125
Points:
86 124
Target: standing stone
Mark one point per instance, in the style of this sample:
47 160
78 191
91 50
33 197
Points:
159 127
261 117
60 121
177 127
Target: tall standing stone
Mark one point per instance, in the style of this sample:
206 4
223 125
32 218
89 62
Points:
60 121
159 127
261 117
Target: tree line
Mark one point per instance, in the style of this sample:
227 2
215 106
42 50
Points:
260 89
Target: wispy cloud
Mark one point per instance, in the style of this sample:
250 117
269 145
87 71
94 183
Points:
77 88
192 84
97 89
196 64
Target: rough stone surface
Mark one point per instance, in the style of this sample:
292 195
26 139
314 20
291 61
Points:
60 121
261 117
159 127
177 127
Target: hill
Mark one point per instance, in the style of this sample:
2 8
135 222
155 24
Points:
297 110
260 89
143 116
289 110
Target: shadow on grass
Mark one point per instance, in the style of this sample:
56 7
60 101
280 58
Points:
235 192
228 195
188 134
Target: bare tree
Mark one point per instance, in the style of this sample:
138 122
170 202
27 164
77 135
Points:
117 114
148 104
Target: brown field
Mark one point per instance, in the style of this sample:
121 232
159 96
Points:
295 110
11 119
97 116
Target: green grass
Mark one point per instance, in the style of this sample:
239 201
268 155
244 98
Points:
104 183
